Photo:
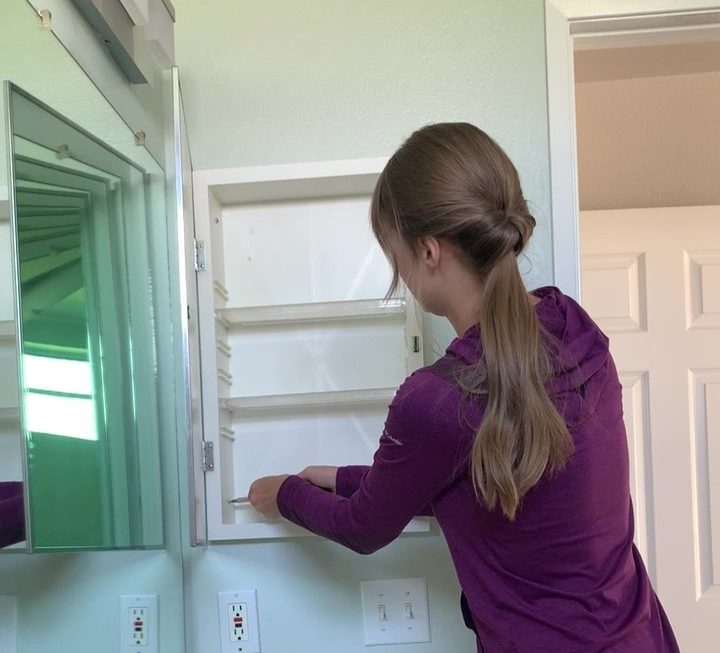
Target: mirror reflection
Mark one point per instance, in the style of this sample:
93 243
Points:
86 342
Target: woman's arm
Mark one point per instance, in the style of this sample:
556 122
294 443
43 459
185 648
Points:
344 481
416 460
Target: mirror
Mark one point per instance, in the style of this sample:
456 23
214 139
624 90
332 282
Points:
84 277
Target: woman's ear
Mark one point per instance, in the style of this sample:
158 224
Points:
429 249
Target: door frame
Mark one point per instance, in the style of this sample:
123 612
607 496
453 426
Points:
590 24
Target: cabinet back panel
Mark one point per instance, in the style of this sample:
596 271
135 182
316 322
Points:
295 252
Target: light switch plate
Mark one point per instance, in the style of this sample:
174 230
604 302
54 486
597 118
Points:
146 607
8 624
395 611
239 640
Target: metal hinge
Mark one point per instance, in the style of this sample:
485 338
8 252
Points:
208 456
200 255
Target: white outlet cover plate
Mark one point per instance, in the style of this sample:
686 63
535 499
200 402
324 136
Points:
127 603
394 596
252 644
8 624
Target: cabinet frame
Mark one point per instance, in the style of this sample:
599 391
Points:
214 190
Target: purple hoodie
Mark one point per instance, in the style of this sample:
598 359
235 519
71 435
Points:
564 576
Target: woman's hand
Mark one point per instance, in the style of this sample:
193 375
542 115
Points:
263 495
321 475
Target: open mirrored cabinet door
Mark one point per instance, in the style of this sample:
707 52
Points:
191 367
86 334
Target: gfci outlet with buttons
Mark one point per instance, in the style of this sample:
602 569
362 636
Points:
237 613
139 623
238 622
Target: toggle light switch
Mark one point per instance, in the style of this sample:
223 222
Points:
395 611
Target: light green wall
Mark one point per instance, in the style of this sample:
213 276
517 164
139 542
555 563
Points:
69 603
287 81
283 81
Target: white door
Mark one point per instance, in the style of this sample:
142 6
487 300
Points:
651 279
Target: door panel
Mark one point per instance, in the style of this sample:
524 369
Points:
651 279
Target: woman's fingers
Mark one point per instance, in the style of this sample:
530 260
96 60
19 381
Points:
263 495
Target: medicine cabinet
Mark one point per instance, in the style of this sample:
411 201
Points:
84 222
301 355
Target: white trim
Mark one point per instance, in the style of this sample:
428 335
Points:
589 24
264 530
563 152
590 9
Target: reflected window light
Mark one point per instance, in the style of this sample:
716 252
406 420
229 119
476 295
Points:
57 375
58 397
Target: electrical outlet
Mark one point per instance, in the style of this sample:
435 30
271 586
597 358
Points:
8 624
139 623
238 622
237 614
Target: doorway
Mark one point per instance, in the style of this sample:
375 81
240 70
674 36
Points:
637 239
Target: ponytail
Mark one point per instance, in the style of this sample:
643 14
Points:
521 435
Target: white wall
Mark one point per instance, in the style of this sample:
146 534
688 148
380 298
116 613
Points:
69 603
284 81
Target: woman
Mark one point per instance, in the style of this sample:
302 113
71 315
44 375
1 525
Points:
514 440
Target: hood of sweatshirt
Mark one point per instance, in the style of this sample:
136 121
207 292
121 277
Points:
578 351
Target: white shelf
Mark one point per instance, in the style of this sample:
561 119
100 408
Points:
330 399
9 416
314 312
7 330
292 181
273 529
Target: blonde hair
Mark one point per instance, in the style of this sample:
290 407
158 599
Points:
452 181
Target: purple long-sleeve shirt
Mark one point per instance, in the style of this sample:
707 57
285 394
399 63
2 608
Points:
564 576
